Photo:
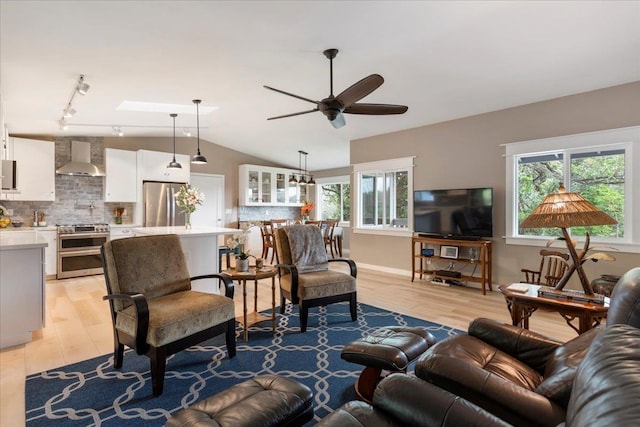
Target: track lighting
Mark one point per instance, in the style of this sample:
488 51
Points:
198 159
174 164
69 111
82 87
117 130
186 132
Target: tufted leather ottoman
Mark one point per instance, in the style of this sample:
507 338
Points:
390 348
264 401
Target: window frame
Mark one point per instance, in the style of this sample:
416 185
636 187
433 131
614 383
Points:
404 164
623 138
342 179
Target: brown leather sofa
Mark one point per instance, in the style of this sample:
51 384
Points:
520 376
605 393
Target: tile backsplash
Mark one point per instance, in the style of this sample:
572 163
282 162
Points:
79 199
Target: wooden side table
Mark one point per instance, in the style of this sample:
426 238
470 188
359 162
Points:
522 305
248 319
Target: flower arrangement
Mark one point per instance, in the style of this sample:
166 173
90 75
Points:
187 199
238 241
306 208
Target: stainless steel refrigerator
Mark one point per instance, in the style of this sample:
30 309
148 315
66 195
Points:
159 202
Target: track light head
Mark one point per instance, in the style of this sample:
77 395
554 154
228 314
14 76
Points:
117 130
62 125
69 111
82 86
186 132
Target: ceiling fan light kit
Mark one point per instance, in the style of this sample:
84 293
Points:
333 107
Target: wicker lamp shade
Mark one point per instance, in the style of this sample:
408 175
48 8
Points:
566 210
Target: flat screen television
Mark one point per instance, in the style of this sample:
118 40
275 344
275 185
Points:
461 213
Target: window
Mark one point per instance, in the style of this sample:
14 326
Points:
334 198
382 196
596 165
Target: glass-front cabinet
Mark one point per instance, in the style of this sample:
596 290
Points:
262 185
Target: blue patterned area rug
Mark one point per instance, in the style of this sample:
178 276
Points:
93 393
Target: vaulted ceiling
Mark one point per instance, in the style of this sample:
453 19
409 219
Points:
445 60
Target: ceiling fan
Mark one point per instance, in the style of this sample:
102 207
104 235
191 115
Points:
346 102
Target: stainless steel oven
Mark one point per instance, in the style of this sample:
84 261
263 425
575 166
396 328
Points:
79 249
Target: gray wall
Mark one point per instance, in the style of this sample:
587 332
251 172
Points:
467 153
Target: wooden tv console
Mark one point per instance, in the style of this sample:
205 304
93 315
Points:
459 258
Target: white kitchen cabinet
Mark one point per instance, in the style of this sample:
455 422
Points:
268 186
120 182
36 171
50 252
152 166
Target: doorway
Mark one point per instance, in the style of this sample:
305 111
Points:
211 212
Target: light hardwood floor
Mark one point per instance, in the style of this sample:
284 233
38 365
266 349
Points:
78 325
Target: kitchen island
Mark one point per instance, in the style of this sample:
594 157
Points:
22 290
200 246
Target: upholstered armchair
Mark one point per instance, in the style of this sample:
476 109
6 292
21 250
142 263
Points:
305 277
518 375
153 309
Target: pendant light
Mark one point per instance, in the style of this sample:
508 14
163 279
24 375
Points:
311 181
198 159
303 180
174 164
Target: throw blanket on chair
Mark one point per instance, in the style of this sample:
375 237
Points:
308 252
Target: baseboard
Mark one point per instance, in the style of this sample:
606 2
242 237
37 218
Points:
383 269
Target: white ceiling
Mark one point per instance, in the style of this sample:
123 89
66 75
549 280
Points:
445 60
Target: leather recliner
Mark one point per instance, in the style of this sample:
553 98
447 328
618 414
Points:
605 393
518 375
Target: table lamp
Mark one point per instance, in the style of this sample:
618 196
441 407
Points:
565 210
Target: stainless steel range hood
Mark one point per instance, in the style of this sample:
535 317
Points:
80 164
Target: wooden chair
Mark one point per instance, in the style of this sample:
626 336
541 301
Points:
553 265
153 309
305 277
328 227
267 242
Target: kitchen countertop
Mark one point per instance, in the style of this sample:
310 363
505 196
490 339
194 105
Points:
13 241
25 228
183 232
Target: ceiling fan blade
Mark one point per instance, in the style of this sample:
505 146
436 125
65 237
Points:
290 94
338 122
376 109
293 114
359 90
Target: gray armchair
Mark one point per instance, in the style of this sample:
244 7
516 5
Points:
153 309
305 277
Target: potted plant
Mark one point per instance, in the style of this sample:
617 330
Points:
237 243
306 209
187 199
